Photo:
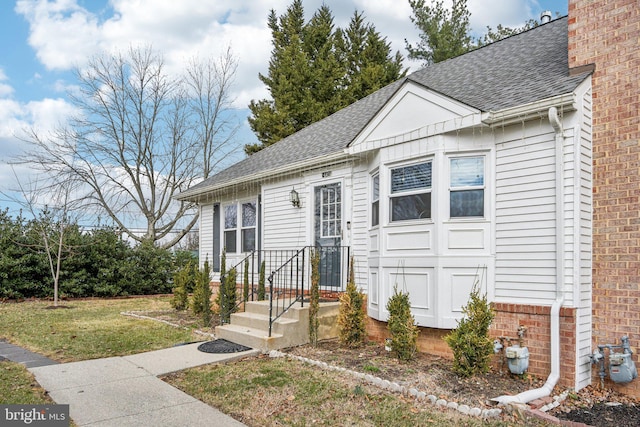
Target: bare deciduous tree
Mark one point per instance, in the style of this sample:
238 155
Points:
52 224
141 136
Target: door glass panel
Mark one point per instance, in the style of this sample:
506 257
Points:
330 212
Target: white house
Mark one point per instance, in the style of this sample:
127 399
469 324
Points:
475 168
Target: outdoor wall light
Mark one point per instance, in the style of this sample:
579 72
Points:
294 198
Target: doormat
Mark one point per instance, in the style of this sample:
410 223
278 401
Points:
221 346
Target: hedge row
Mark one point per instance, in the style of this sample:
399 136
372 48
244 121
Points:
94 263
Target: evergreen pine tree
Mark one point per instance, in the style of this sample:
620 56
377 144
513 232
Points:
309 75
367 58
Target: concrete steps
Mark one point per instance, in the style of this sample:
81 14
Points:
251 327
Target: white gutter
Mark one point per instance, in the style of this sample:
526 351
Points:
554 376
533 110
285 169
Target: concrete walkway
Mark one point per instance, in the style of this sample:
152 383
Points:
125 391
23 356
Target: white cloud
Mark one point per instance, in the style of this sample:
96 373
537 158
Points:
5 89
64 34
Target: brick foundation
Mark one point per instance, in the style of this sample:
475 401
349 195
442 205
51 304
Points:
429 340
606 34
506 322
537 338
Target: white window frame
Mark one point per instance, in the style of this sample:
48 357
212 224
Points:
375 200
460 188
239 228
244 228
334 223
419 191
228 229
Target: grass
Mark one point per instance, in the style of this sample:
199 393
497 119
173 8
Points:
268 392
17 386
88 329
257 391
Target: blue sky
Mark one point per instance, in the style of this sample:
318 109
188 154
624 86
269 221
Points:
43 41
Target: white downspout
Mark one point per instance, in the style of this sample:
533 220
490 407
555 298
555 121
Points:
554 375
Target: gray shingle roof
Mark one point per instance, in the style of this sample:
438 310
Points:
521 69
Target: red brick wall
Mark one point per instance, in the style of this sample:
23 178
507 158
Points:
429 340
508 318
607 34
537 336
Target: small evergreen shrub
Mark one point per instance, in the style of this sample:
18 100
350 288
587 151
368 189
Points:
351 317
231 294
261 289
401 325
201 303
245 284
219 300
470 342
181 279
314 298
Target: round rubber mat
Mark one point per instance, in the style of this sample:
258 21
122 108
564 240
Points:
221 346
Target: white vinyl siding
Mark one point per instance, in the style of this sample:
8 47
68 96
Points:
206 234
584 316
525 218
359 188
285 226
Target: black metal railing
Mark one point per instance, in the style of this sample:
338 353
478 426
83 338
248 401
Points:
252 274
287 278
290 282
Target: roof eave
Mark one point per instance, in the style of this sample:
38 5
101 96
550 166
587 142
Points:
195 196
533 110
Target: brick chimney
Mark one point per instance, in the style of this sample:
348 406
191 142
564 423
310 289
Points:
606 34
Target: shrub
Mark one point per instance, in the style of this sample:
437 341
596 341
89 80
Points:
95 263
231 292
351 317
470 342
261 289
245 284
182 277
219 299
404 332
201 304
314 298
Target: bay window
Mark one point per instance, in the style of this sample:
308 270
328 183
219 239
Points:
466 191
411 192
375 200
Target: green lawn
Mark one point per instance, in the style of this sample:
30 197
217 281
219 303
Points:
281 392
17 386
257 391
88 329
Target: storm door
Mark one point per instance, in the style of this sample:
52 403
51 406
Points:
328 233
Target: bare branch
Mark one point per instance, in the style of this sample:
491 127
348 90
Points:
141 137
